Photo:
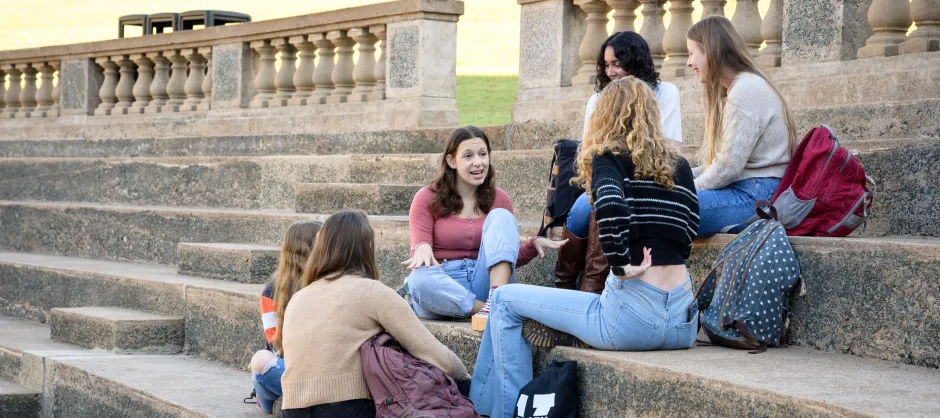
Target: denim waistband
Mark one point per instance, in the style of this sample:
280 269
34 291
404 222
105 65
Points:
652 293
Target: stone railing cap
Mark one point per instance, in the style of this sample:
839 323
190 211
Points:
343 19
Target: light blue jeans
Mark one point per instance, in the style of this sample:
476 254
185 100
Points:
630 315
448 291
725 209
579 217
268 386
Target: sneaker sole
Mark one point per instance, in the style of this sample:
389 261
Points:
540 335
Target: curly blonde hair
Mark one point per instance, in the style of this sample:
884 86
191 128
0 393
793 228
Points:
626 119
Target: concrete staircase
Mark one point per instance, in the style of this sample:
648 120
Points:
147 245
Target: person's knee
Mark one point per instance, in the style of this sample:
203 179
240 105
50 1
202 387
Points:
500 217
262 361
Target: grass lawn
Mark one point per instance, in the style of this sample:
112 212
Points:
485 100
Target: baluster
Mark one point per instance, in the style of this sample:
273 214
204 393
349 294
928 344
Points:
142 96
197 74
107 91
364 73
747 22
264 80
28 93
343 82
176 87
593 38
378 93
772 32
13 93
206 104
284 80
44 94
323 74
3 90
674 42
889 22
624 14
56 93
161 78
303 77
713 7
653 28
926 13
125 86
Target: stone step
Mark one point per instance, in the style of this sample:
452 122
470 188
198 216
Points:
374 199
19 402
79 382
718 381
862 294
244 263
117 329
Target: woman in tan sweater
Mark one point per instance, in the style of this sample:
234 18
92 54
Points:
749 131
343 305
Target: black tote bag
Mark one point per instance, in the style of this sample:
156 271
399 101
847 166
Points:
554 394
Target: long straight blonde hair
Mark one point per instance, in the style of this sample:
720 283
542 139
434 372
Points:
288 278
726 54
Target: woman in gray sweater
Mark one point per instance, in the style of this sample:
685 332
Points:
749 130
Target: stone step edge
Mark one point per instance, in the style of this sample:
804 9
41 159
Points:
118 321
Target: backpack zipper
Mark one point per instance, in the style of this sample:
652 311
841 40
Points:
850 214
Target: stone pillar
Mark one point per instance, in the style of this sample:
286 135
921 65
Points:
107 92
364 73
125 86
284 80
28 93
78 83
323 74
206 103
343 82
823 30
590 45
264 79
233 75
161 78
624 14
421 83
176 87
653 28
713 7
674 42
747 22
12 98
378 93
197 74
926 13
772 31
548 43
303 77
3 90
889 21
142 95
56 92
44 94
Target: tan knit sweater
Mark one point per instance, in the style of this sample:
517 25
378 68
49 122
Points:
327 321
754 129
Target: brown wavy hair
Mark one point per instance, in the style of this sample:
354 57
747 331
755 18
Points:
446 200
725 54
295 249
626 120
345 246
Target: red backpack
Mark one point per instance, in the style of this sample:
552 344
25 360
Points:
403 386
824 191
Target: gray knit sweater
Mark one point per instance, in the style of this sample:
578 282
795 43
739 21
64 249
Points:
755 132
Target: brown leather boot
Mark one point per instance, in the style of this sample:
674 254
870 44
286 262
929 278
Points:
570 262
595 263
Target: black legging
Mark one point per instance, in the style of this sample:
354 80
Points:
355 408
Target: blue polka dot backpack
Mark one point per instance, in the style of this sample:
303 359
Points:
744 300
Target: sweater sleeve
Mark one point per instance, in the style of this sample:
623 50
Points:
588 110
397 318
741 132
670 115
268 312
612 210
420 219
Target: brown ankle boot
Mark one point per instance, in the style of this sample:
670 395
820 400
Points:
595 263
570 262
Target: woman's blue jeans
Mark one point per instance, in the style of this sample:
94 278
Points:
630 315
268 386
579 217
724 210
448 291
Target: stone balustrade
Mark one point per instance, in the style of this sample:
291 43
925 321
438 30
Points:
406 61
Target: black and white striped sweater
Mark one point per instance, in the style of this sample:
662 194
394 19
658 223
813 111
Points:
636 213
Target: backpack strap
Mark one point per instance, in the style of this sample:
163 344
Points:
742 328
543 229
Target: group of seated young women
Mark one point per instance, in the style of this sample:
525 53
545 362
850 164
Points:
643 204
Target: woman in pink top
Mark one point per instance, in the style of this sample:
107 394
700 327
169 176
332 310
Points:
464 237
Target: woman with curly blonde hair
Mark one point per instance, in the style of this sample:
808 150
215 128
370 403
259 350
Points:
647 213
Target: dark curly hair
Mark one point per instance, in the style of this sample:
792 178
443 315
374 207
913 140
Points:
634 56
446 200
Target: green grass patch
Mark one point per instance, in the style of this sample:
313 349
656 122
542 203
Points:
486 100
